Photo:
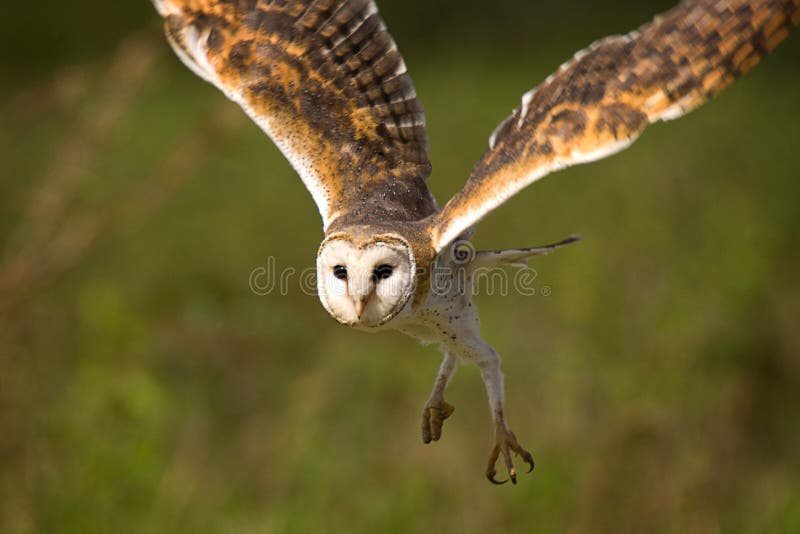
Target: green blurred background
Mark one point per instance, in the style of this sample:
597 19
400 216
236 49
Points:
145 388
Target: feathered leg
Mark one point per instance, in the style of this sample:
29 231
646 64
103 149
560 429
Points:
473 349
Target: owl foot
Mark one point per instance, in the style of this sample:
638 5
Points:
506 443
433 416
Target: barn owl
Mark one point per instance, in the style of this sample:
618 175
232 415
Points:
326 82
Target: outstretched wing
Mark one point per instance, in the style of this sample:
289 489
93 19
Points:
324 79
599 102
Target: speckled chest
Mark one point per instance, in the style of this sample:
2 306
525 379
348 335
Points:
446 309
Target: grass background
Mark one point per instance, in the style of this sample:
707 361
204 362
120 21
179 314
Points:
145 388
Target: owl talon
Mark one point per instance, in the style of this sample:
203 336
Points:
491 478
506 443
528 460
433 417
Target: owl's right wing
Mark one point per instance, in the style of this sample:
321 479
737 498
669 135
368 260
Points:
599 102
324 79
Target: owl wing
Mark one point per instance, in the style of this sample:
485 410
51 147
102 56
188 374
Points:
599 102
324 79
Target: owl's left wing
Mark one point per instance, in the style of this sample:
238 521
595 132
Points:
598 103
325 80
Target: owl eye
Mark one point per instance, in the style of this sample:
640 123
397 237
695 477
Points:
340 272
382 272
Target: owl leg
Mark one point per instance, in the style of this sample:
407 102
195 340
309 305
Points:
488 361
436 410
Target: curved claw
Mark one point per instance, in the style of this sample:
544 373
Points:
522 453
491 478
529 460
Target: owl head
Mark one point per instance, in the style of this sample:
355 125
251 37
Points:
365 282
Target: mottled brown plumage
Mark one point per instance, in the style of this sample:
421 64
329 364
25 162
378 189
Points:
601 100
327 83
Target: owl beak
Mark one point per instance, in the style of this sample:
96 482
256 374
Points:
360 303
361 293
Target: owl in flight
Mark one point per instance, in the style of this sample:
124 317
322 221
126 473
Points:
325 81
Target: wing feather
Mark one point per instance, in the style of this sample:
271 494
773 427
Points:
325 80
601 100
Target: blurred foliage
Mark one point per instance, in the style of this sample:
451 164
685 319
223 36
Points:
145 388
